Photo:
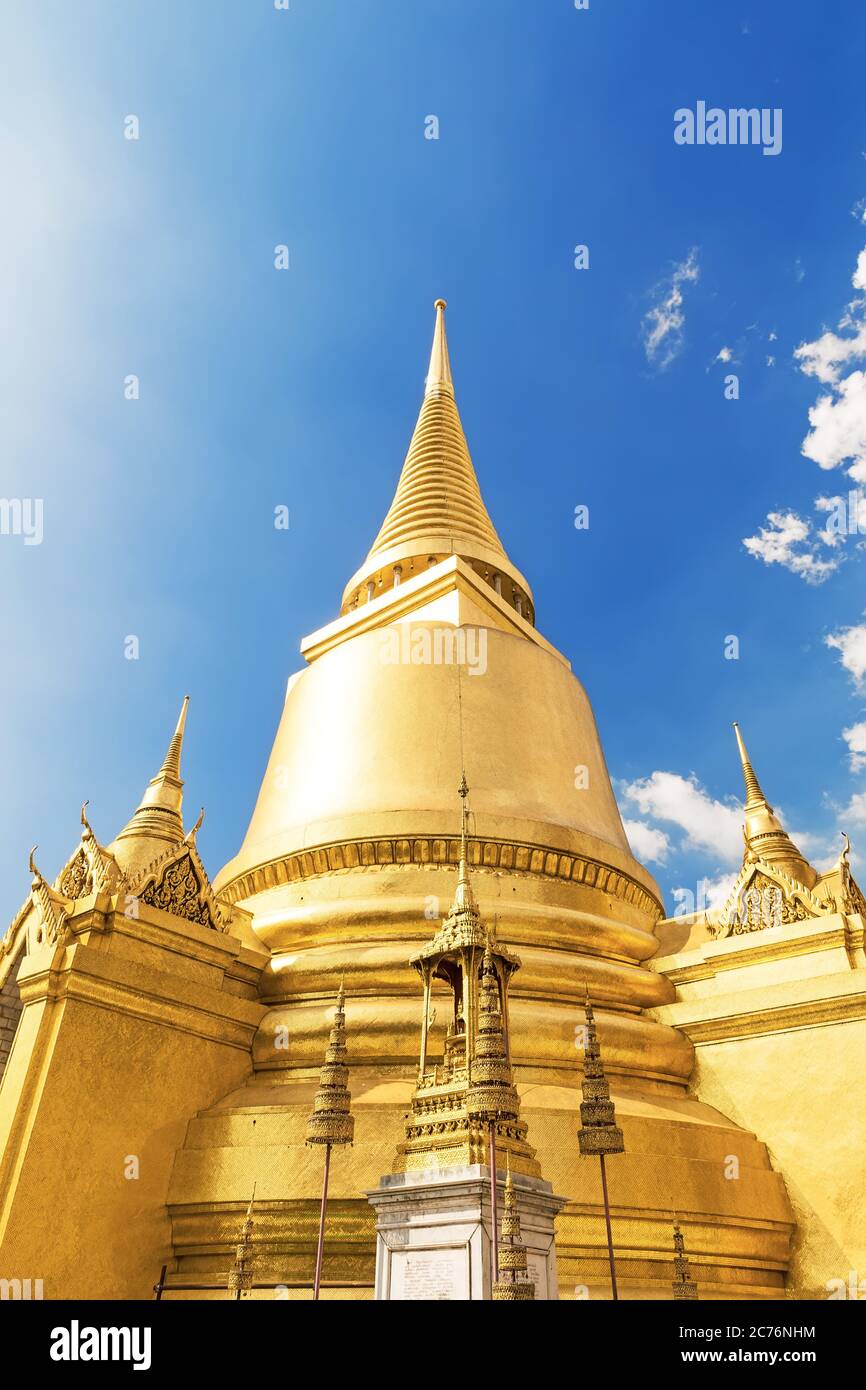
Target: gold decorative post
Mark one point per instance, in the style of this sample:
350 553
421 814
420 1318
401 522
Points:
491 1096
241 1274
330 1122
598 1133
684 1286
512 1284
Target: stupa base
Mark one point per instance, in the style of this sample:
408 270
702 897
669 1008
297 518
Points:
433 1233
678 1151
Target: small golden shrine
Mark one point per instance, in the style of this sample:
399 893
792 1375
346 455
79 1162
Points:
472 1087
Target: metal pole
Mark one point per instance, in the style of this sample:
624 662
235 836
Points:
320 1250
494 1273
609 1232
158 1288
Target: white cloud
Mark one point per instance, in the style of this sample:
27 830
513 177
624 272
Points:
647 841
771 361
663 324
724 354
855 737
716 891
681 801
821 851
838 421
825 356
850 642
708 895
788 540
855 812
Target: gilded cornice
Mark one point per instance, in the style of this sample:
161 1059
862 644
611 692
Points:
487 854
87 976
757 952
812 1013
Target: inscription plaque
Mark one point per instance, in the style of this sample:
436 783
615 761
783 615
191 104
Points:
434 1275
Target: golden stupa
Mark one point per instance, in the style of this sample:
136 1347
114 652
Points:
180 1023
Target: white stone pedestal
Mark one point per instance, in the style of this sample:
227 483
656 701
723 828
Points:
433 1233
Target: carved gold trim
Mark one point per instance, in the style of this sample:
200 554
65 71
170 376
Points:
511 855
812 1013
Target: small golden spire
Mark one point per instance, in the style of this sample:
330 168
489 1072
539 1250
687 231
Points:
764 834
158 816
241 1274
599 1132
491 1095
684 1286
512 1284
330 1121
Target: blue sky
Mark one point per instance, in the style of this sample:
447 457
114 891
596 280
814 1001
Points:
257 388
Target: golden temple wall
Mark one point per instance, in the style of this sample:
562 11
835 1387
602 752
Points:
127 1030
778 1020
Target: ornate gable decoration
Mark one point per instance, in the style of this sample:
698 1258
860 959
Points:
76 880
763 896
91 869
177 882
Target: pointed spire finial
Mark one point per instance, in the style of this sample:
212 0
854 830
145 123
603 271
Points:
765 836
464 898
754 795
439 372
171 764
437 511
158 816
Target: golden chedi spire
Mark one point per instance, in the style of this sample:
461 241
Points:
438 489
764 834
512 1284
330 1121
158 821
438 510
